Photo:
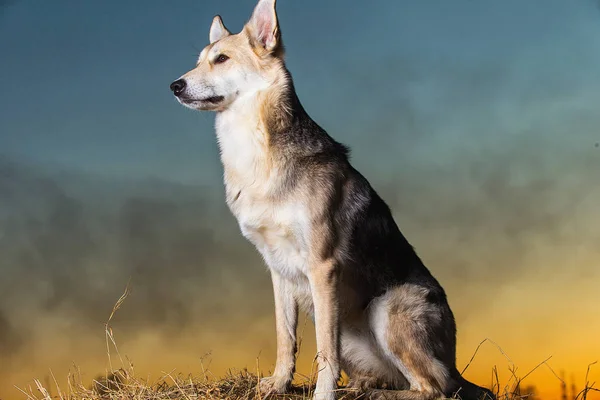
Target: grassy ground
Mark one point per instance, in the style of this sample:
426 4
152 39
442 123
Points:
241 385
122 385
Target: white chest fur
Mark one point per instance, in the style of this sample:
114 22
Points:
277 226
278 233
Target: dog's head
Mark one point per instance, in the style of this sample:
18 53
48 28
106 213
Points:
234 66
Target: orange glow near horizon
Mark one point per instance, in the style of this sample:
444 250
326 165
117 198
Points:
525 332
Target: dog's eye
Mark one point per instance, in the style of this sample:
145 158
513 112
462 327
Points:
221 59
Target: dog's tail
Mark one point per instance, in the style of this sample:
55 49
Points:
459 388
466 390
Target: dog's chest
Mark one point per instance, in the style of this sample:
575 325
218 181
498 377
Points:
275 225
279 232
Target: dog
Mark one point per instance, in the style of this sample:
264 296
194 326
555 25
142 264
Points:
330 242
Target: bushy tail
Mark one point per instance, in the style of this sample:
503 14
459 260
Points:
463 389
466 390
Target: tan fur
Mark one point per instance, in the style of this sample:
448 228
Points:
406 304
323 278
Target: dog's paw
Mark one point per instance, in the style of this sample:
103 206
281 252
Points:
273 385
325 391
324 395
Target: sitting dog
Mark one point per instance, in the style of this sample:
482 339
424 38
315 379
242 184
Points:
330 242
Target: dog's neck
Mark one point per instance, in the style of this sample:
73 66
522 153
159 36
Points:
245 131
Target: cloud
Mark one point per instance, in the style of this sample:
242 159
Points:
67 254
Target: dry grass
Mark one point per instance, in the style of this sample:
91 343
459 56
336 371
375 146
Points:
122 383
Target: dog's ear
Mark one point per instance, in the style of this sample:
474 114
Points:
263 27
217 30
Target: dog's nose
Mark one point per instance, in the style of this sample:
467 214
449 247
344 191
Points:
178 86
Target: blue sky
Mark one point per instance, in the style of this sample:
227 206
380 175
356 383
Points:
85 84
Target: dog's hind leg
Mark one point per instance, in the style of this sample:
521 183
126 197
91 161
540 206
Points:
414 328
364 363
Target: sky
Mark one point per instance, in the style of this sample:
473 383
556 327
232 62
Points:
477 121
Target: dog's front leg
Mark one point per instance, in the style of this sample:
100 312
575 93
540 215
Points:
286 321
323 278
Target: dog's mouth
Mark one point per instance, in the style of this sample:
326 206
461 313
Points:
210 100
214 99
